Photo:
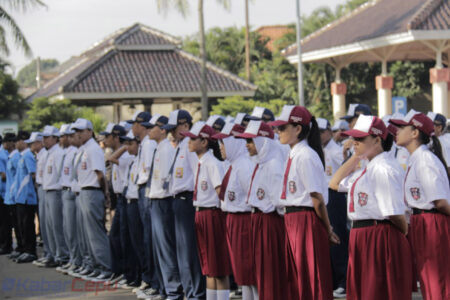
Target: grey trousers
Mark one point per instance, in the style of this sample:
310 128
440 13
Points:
97 240
54 223
69 226
42 224
86 260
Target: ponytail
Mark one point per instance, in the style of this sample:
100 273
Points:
387 143
312 134
434 147
214 145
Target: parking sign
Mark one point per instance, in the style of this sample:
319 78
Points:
399 105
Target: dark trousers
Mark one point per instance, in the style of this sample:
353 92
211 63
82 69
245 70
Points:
337 213
193 281
135 229
5 227
25 223
12 212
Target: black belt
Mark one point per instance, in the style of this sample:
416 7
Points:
255 210
367 223
292 209
66 188
130 201
91 188
53 190
239 212
417 211
142 185
200 208
159 199
184 195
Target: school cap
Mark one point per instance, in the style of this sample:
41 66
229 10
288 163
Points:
292 114
9 137
392 129
437 118
323 124
216 122
356 109
115 129
262 113
82 124
416 119
156 120
229 119
242 119
50 131
340 125
128 137
257 128
127 126
34 137
230 129
139 117
23 135
65 130
200 130
367 125
177 117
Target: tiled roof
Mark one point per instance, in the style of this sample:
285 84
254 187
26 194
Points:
378 18
273 32
142 60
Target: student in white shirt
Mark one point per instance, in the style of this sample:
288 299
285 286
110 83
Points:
379 253
233 196
210 221
427 192
181 186
53 195
268 233
336 207
304 196
161 209
440 123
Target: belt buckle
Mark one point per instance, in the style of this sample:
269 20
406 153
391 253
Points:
197 208
285 210
253 209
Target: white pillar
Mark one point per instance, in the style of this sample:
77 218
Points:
338 91
439 78
384 85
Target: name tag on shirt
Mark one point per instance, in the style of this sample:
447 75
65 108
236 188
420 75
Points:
329 170
49 170
84 165
66 170
179 173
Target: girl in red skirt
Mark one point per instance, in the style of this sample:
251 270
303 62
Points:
304 196
209 219
427 192
233 194
379 254
268 234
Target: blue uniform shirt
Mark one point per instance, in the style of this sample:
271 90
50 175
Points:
3 160
24 187
11 167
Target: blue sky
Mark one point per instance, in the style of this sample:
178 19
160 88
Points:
68 27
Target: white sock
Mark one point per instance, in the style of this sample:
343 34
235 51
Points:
255 292
223 294
211 294
247 293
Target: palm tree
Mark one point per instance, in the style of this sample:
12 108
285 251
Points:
182 7
7 21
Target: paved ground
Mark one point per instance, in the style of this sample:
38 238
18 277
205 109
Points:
26 281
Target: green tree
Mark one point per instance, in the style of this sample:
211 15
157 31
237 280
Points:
10 101
44 111
27 75
12 27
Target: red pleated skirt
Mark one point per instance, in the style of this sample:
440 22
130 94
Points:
268 237
379 264
310 249
414 276
239 233
430 241
210 227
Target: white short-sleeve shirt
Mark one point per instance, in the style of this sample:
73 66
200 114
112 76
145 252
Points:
145 157
41 158
183 172
66 172
92 159
209 178
236 192
119 172
426 179
52 168
306 176
132 189
164 156
333 158
445 145
376 191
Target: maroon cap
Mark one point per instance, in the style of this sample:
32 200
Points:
367 125
257 128
416 119
200 130
230 129
292 115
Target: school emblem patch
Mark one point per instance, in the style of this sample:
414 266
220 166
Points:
66 170
260 193
231 195
49 169
362 199
204 185
179 173
83 166
292 187
415 193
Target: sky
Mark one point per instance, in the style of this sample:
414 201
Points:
68 27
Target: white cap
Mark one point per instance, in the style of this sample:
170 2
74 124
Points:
340 125
154 119
323 123
431 115
212 119
82 124
66 130
34 137
50 131
229 119
239 118
126 125
109 129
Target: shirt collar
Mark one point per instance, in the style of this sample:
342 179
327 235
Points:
417 153
25 151
205 157
53 148
13 152
298 148
376 159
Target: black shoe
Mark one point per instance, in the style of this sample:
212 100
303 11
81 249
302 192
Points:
69 269
114 278
103 277
131 285
19 257
85 272
5 251
92 275
76 273
26 258
14 254
50 264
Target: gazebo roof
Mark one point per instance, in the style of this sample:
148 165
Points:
139 62
388 29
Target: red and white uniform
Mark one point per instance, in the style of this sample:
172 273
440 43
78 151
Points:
333 158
